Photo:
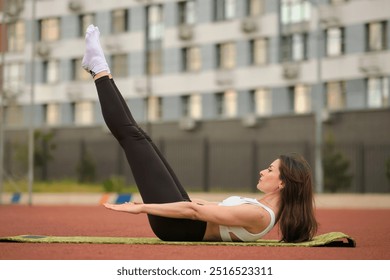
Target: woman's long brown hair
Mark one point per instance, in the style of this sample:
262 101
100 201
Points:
296 216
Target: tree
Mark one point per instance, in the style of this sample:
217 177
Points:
43 152
336 166
388 169
43 149
86 166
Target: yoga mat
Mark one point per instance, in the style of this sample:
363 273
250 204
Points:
331 239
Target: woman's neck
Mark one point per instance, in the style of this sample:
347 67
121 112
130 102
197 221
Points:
271 200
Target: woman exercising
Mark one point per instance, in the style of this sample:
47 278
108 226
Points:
173 216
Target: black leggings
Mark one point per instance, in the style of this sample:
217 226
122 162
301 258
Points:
155 179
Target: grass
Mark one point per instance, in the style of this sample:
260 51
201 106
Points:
62 186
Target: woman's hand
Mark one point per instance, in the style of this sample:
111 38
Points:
129 207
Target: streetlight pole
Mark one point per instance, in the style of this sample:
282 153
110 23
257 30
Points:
10 14
32 101
319 173
147 65
2 115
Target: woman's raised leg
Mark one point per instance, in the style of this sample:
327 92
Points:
154 180
167 165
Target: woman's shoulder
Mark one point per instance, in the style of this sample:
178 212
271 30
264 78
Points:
237 200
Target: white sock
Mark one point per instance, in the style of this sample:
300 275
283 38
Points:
94 61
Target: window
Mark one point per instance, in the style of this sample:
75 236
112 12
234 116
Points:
261 102
219 103
336 95
294 47
50 71
196 106
376 36
258 51
254 7
52 114
226 103
119 65
191 106
155 34
155 20
14 78
378 92
119 21
186 109
335 41
84 22
186 12
224 9
155 62
14 115
300 99
16 34
191 59
154 108
79 74
49 29
226 56
295 11
83 112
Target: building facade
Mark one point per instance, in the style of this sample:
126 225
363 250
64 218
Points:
196 61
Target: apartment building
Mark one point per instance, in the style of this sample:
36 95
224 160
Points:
196 59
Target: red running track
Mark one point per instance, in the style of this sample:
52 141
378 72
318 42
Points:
370 228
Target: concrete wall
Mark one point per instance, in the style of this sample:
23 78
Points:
225 154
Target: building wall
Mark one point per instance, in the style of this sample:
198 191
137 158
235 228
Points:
226 154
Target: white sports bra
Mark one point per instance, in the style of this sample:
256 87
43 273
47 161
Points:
240 232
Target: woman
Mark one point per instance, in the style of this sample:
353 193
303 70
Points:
173 216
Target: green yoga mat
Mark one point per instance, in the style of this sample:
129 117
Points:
331 239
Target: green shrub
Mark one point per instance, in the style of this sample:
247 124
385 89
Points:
114 184
336 166
86 166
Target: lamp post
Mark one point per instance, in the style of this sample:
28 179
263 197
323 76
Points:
2 115
10 13
32 101
319 172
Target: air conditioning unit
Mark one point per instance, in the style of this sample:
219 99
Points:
248 25
187 124
185 32
224 77
75 5
43 50
73 92
14 8
141 86
330 15
145 1
290 71
250 120
370 64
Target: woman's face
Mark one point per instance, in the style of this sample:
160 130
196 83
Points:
269 180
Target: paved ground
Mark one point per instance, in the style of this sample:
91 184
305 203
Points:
366 201
363 217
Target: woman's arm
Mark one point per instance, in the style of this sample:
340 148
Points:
245 215
202 201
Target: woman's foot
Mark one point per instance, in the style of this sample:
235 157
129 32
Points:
94 61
